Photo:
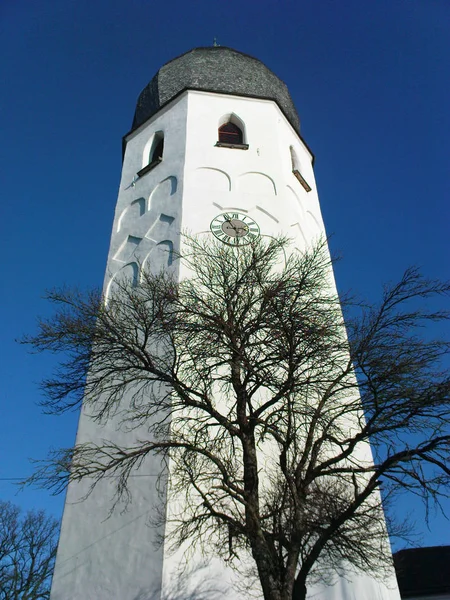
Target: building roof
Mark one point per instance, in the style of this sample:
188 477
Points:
214 69
423 571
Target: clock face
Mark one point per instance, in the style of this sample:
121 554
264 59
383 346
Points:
234 229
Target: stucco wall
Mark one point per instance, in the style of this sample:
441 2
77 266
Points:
107 558
103 556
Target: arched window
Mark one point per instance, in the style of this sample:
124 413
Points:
229 133
294 159
295 163
155 155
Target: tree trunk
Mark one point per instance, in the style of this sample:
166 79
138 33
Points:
299 590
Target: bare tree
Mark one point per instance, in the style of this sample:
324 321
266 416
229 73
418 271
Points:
27 553
265 402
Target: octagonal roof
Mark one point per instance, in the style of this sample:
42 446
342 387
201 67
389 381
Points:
214 69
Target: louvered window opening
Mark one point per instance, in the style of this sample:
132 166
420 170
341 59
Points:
229 133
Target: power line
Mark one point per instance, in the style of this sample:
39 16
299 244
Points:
104 476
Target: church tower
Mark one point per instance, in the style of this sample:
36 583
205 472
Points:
215 147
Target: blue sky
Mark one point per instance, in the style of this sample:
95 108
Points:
370 80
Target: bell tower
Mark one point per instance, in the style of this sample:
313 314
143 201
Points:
215 148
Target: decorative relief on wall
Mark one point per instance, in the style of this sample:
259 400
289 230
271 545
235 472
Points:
297 232
211 179
229 207
166 219
267 213
166 188
127 274
145 229
294 201
160 227
313 224
131 213
219 206
127 248
256 183
165 250
159 257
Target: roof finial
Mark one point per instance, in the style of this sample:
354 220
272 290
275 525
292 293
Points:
215 44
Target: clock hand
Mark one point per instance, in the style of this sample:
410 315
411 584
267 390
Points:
243 229
237 228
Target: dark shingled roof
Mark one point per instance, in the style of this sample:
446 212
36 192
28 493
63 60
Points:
214 69
423 571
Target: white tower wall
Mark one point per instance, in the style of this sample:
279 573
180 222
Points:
103 556
258 180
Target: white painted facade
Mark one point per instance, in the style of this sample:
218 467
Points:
101 558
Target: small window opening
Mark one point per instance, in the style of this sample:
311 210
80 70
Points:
295 163
229 133
155 154
294 159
